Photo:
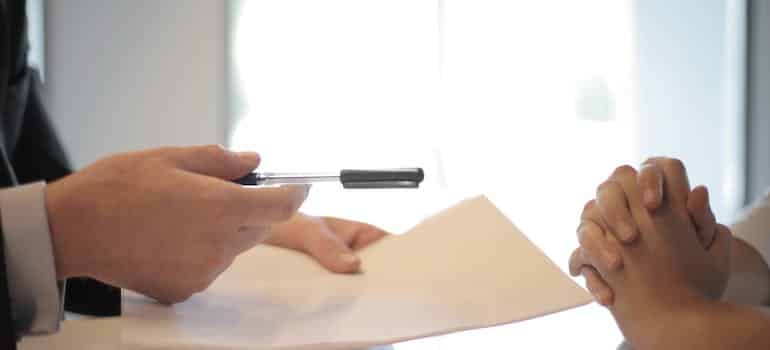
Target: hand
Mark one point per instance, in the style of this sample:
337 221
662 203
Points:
609 213
163 222
331 241
666 271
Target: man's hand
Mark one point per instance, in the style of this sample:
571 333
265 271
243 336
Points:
163 222
331 241
609 214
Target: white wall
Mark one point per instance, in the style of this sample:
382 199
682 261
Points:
688 73
757 158
131 74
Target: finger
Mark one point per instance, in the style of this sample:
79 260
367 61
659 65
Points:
366 236
596 248
357 235
592 213
264 206
700 212
721 247
212 160
598 287
576 262
676 185
613 205
650 180
332 253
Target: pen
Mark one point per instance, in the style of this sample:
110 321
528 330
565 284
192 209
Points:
350 178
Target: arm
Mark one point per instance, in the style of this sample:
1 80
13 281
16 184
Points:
750 276
749 281
707 326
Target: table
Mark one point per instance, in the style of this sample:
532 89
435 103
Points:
86 333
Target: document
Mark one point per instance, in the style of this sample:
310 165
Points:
466 267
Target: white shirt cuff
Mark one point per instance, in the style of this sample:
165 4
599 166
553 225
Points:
754 227
35 299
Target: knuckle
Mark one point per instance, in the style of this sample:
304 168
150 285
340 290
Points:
613 262
591 212
575 261
624 171
215 150
577 256
607 189
650 177
603 187
163 155
165 151
588 234
653 161
589 206
673 164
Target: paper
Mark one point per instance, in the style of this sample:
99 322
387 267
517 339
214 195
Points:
466 267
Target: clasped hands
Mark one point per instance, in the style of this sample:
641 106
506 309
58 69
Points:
650 249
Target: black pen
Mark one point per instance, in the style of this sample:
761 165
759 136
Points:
350 178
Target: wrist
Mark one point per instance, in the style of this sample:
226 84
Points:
749 279
65 247
667 326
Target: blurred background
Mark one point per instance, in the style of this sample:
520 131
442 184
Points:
532 103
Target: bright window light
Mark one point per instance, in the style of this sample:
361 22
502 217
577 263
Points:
528 102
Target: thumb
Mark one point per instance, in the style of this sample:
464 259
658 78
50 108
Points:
333 254
214 160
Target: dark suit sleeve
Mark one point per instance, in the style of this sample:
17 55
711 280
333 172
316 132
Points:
7 332
38 154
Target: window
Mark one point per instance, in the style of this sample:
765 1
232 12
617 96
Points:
36 30
530 102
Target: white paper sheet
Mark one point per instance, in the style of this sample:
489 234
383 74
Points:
466 267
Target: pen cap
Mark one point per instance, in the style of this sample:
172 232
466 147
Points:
383 178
